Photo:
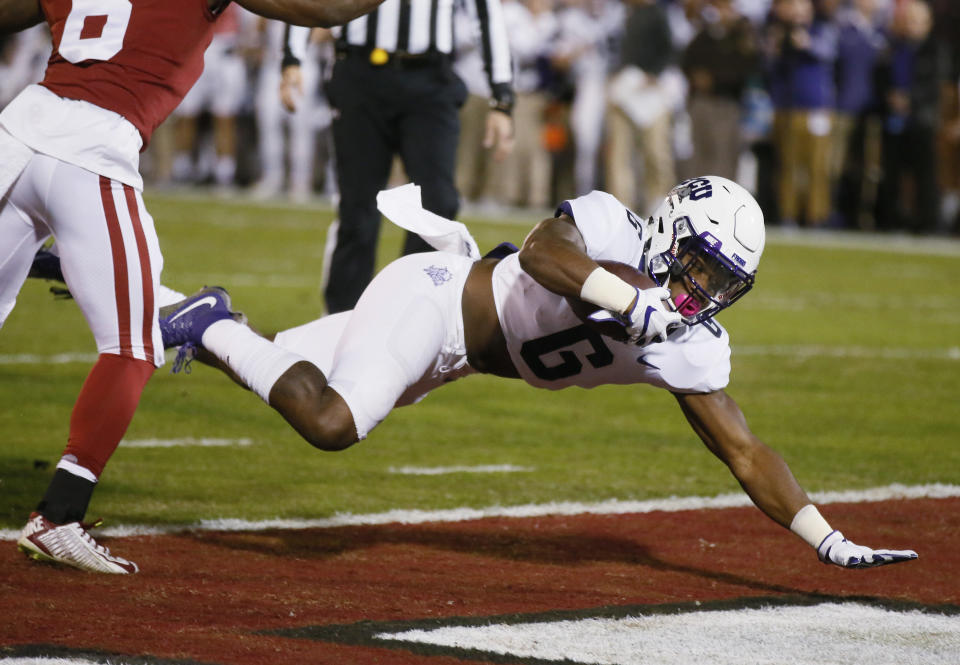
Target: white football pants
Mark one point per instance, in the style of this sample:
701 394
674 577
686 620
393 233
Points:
403 339
108 248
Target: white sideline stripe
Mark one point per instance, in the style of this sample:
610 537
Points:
185 442
609 507
785 350
859 352
59 358
442 470
55 359
825 633
869 242
273 280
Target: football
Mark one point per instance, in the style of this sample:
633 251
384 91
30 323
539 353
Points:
584 309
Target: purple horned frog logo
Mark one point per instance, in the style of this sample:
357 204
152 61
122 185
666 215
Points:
439 274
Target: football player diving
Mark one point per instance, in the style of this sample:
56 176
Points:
562 311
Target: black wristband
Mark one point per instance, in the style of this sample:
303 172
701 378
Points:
503 98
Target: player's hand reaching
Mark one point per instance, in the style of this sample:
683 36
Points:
649 320
838 550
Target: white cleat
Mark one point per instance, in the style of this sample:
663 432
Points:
71 545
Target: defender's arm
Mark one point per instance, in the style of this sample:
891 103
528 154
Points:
16 15
316 13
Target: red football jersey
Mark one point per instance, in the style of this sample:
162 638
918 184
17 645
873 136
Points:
137 59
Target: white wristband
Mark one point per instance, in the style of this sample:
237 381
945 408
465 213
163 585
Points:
603 288
809 524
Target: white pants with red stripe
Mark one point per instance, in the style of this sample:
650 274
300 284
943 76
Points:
108 249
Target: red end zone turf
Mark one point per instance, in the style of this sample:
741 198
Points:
209 597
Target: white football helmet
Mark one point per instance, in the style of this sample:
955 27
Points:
708 232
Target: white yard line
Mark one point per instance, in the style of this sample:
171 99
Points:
800 351
804 351
444 470
186 442
868 242
609 507
50 359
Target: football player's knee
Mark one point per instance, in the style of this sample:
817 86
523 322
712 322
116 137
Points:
330 431
328 422
316 412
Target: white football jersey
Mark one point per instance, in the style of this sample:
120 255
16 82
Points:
552 348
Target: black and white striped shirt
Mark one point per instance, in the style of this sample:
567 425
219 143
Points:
424 27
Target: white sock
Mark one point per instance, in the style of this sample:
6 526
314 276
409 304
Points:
69 464
256 360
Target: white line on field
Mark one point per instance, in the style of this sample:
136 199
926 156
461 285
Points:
800 351
829 632
188 441
803 351
58 358
54 359
271 280
442 470
609 507
870 242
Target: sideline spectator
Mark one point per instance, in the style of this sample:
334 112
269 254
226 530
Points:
476 168
583 52
801 51
718 63
641 106
525 176
947 29
913 70
296 150
855 155
221 90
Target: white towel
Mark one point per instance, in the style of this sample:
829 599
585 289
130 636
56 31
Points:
403 206
14 157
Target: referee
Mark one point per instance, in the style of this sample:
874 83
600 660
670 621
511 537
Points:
393 92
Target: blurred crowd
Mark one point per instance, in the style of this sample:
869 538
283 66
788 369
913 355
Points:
841 114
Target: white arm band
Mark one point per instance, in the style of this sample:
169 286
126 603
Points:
809 524
603 288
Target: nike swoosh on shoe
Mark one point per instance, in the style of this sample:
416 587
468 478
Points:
208 300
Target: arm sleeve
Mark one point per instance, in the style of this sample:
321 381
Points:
295 40
609 229
495 49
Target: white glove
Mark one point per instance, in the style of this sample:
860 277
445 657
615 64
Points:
649 321
838 550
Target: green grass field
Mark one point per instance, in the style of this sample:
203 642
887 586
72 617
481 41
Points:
845 359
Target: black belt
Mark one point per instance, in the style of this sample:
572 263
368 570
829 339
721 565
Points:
378 57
